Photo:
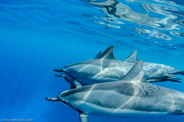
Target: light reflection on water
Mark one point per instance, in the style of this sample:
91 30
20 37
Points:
159 16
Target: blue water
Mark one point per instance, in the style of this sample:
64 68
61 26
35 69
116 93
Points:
37 36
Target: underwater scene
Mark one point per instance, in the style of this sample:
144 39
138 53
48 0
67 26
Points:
92 60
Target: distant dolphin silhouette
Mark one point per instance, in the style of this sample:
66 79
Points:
126 97
105 68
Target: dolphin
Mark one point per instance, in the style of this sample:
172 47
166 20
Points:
105 68
126 97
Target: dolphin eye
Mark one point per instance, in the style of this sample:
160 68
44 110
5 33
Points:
99 103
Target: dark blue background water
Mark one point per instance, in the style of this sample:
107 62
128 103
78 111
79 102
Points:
37 36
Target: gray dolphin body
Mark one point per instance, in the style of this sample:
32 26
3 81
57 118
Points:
127 97
105 68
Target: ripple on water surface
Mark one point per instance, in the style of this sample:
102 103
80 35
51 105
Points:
158 16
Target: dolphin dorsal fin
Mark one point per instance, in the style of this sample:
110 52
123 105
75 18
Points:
132 57
98 55
135 73
108 53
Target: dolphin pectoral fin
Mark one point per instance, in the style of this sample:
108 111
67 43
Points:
83 117
132 57
69 80
73 83
55 99
77 84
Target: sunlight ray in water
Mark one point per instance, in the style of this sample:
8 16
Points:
135 82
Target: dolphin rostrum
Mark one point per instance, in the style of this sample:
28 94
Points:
105 68
126 97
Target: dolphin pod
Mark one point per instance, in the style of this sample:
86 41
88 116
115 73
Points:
127 97
108 86
106 68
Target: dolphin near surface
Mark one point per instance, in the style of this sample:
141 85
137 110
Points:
126 97
105 68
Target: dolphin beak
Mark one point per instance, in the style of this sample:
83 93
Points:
57 99
52 99
58 70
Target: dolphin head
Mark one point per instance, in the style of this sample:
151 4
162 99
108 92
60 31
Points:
87 69
71 70
83 71
73 98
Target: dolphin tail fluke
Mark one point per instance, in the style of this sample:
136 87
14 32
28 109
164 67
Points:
169 77
83 117
172 78
162 80
180 73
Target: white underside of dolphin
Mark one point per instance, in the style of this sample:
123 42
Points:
98 110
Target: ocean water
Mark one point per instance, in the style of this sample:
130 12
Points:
37 36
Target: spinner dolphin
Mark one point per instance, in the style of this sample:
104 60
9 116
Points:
126 97
105 68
